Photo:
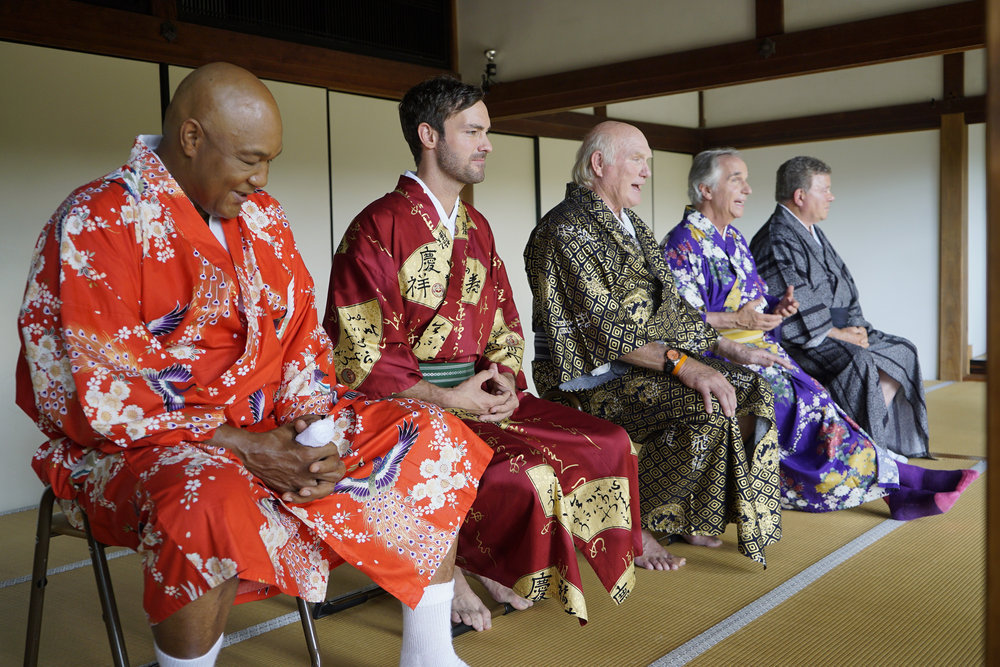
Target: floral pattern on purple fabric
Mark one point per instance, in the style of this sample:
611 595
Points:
708 266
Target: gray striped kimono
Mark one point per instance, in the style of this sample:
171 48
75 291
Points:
787 254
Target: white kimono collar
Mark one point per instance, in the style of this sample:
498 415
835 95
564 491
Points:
448 220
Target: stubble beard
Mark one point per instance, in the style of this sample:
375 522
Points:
463 172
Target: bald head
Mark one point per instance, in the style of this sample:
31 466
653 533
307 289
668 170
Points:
220 92
220 132
613 162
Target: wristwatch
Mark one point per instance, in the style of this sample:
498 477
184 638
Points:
673 360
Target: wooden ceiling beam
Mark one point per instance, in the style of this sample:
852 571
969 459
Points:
844 124
574 125
769 18
925 32
91 29
839 125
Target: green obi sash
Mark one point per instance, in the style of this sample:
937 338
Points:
447 374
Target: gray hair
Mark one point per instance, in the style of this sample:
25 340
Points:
797 174
705 169
595 142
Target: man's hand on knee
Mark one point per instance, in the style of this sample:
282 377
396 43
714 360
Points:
709 382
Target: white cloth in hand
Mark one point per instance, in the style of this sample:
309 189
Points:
322 432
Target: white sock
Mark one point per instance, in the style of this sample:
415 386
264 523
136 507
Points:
207 660
427 630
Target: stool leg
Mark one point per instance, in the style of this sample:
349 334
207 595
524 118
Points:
309 630
107 594
38 578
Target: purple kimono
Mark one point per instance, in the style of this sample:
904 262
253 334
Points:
716 273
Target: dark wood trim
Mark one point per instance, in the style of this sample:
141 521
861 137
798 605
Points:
843 124
953 249
992 629
165 9
839 125
925 32
87 28
453 56
572 125
953 65
769 17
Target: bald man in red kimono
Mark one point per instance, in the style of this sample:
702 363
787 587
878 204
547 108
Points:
172 354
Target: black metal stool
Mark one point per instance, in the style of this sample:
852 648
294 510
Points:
50 524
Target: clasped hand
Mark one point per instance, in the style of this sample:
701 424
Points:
748 317
297 472
490 394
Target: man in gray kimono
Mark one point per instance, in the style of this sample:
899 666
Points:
873 375
611 328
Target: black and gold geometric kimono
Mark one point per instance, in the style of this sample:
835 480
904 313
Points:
600 294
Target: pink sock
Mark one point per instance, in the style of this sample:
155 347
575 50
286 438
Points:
968 477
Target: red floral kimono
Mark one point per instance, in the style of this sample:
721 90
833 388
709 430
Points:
141 334
404 292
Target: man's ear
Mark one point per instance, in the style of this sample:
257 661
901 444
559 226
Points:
597 163
799 197
428 135
706 192
191 136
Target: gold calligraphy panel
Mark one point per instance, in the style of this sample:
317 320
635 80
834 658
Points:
590 508
473 280
505 346
423 278
432 339
539 585
359 344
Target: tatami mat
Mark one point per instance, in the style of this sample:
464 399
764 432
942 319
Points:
913 597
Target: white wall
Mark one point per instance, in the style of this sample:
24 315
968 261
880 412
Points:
669 188
680 109
66 119
977 239
884 223
368 154
555 167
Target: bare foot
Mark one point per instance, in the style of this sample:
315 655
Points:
702 540
466 607
655 557
501 593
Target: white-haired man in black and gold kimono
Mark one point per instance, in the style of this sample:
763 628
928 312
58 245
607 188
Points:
611 328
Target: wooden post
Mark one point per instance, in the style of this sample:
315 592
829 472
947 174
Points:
953 253
992 629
